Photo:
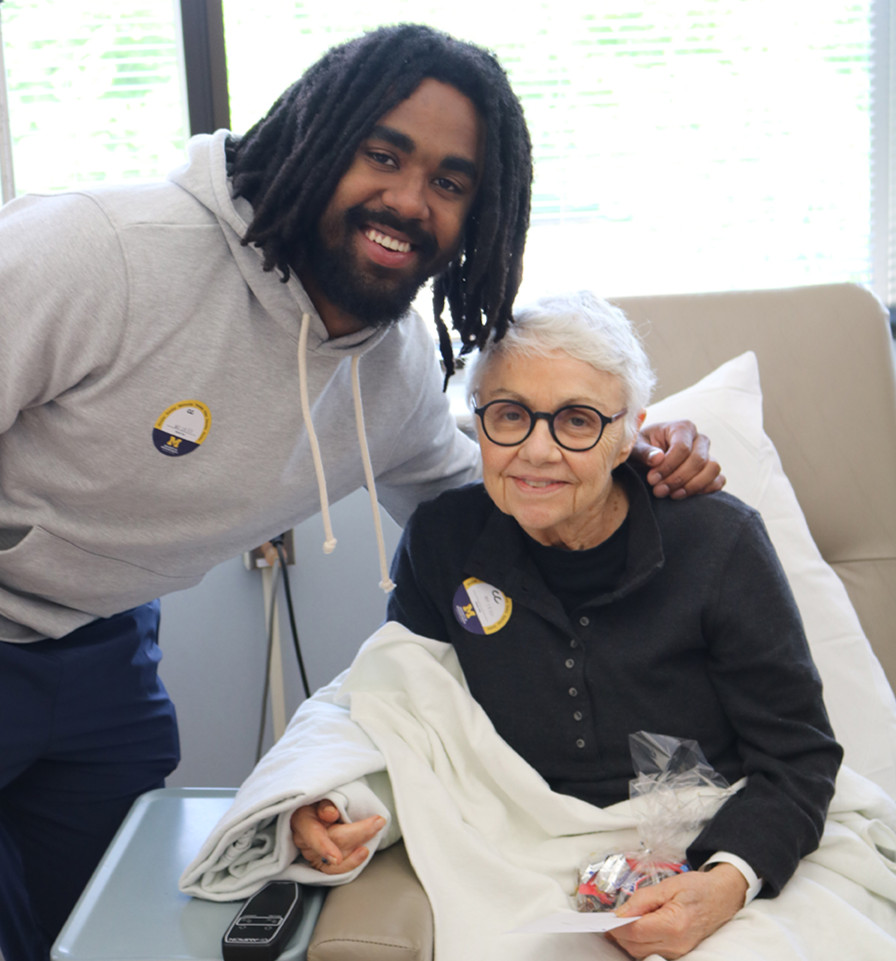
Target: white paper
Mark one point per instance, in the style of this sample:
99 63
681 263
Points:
574 922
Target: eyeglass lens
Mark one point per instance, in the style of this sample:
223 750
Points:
507 422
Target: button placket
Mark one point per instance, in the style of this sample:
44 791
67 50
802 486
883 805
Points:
578 714
574 662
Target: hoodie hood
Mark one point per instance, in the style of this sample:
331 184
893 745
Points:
205 178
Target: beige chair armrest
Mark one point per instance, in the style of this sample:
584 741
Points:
382 915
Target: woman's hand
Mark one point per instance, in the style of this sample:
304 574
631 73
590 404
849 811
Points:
326 842
679 461
679 912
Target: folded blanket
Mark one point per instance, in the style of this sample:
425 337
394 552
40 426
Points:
322 753
493 846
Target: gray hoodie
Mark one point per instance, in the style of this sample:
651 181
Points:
150 421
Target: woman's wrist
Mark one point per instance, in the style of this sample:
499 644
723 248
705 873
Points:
752 883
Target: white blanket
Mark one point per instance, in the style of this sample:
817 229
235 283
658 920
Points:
493 846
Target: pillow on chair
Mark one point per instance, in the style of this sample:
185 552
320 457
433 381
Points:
727 404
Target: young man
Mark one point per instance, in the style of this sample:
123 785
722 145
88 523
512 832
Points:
178 369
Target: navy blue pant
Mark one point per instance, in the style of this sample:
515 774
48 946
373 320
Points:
86 726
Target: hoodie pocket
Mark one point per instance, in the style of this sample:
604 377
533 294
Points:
43 565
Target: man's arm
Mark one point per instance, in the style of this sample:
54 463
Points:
63 300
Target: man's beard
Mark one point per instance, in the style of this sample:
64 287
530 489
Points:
377 296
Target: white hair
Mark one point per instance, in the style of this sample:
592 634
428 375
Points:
584 327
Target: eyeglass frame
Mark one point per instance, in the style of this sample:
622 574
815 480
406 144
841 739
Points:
537 415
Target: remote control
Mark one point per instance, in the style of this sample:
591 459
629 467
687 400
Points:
264 924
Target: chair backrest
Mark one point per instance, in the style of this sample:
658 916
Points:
826 364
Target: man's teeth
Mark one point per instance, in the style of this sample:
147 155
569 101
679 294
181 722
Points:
390 243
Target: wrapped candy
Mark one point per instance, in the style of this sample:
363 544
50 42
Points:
675 791
613 879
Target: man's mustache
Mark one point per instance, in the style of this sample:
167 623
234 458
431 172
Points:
424 241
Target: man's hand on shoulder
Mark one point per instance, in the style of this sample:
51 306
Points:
677 456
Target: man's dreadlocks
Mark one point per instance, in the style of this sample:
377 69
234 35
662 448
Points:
288 165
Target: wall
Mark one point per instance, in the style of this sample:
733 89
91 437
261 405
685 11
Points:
214 640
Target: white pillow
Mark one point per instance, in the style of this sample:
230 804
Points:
727 406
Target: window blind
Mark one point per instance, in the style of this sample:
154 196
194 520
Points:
95 90
678 147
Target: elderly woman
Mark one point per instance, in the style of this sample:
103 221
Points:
582 610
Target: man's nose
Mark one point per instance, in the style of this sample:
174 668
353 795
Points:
406 196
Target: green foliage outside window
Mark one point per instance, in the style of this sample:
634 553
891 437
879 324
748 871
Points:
95 91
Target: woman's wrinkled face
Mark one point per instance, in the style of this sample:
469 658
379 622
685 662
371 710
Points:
557 496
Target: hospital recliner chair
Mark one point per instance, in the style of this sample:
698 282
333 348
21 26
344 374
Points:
829 402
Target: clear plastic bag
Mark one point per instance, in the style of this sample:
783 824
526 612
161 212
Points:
675 791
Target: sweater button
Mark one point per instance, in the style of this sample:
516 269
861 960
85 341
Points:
573 692
584 621
580 743
570 662
577 716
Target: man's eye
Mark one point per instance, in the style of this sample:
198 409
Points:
444 183
377 156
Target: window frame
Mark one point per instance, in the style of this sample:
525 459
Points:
205 65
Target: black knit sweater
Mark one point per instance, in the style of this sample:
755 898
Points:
696 635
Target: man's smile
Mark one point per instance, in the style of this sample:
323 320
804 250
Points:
387 241
392 243
393 233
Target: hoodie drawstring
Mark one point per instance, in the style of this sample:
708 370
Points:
330 542
386 582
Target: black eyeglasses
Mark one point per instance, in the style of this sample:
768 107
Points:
576 427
